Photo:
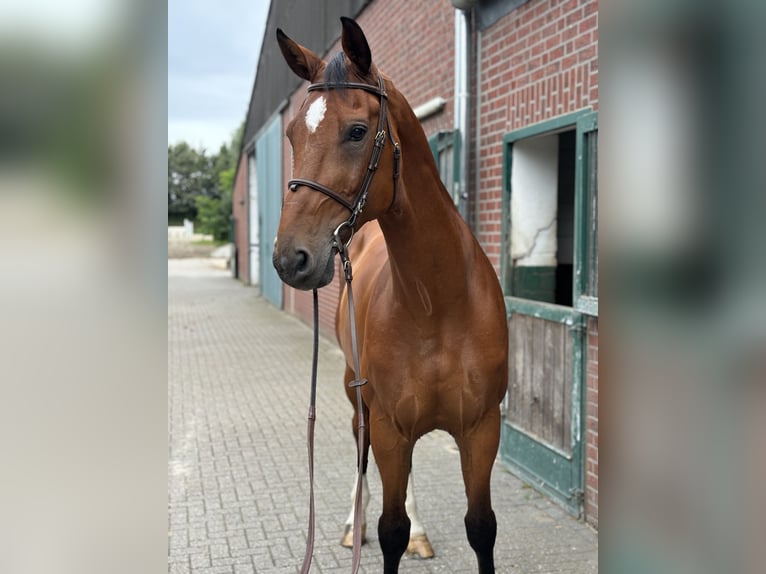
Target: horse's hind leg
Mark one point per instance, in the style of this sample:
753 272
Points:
419 544
347 539
478 448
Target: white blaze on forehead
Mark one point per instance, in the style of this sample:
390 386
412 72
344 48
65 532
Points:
315 114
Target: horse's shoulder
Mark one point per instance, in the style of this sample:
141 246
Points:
365 239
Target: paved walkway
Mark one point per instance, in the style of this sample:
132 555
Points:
238 382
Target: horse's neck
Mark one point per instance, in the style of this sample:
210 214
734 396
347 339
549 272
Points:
429 246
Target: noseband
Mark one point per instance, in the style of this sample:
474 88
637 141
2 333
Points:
359 201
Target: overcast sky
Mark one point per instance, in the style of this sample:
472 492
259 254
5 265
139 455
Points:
213 49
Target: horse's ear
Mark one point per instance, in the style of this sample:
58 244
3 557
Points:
302 61
355 46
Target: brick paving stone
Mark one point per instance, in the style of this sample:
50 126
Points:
238 384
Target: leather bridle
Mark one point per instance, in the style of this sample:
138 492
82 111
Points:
341 245
357 205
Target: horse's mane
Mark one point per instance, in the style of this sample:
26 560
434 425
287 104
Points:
335 72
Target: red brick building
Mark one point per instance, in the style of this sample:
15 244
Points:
521 163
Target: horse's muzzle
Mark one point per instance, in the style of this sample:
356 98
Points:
302 269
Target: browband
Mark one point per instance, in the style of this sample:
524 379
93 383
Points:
377 90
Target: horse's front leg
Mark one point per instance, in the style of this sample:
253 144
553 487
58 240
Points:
392 453
478 448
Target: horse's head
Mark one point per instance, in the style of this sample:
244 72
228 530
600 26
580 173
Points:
333 138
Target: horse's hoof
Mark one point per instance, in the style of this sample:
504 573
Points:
348 536
420 546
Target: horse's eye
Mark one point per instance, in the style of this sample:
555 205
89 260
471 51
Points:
357 133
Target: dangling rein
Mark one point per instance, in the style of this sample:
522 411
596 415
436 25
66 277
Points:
356 383
342 247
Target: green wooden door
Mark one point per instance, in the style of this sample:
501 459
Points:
542 431
268 157
550 168
445 148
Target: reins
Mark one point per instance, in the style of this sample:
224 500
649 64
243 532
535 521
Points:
357 383
341 246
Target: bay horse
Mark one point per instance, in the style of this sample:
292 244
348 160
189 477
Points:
431 317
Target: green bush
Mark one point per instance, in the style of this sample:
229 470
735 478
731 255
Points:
200 186
214 215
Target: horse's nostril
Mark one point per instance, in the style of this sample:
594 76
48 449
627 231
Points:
295 265
301 260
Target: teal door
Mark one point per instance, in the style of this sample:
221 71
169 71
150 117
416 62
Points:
268 158
549 173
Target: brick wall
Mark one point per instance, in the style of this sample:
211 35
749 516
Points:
538 62
591 425
239 212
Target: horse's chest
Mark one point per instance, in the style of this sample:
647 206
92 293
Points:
416 357
420 382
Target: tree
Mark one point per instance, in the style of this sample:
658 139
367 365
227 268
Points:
214 213
200 185
211 217
190 175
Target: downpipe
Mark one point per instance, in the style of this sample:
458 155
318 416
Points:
462 124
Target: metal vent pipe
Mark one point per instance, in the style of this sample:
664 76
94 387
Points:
462 96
